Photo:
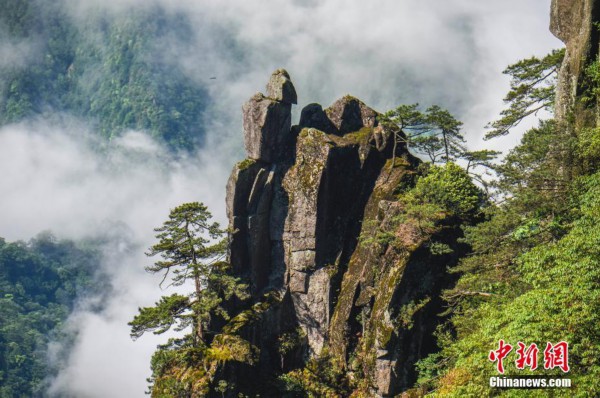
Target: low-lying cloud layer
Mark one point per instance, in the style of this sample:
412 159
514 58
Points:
55 178
385 52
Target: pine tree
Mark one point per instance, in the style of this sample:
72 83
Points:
434 133
532 89
191 249
446 129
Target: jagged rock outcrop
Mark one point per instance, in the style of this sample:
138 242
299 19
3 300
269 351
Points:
297 207
314 116
349 114
280 88
573 22
267 125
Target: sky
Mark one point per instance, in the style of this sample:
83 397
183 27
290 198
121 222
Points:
385 52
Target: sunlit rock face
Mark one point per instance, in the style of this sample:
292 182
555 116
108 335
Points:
280 88
297 207
573 22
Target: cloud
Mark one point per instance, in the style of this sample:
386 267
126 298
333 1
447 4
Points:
385 52
16 54
55 178
103 361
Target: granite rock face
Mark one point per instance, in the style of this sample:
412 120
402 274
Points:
297 207
350 114
267 125
280 88
314 116
572 21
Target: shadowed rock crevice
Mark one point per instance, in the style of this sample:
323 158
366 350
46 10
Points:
419 290
314 116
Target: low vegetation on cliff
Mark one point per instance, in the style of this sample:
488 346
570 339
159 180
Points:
532 276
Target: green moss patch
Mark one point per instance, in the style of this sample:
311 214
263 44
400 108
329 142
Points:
245 164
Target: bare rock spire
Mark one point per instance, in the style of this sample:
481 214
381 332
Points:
268 119
280 87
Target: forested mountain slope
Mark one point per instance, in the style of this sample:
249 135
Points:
40 283
534 274
113 71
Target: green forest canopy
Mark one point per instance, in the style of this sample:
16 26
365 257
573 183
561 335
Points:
40 282
111 71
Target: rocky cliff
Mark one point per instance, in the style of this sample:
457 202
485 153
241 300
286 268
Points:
574 22
319 231
303 208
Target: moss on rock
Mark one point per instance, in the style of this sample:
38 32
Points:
245 164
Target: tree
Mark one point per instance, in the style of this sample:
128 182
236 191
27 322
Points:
430 145
482 158
450 188
192 249
406 122
447 128
434 133
189 254
532 89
